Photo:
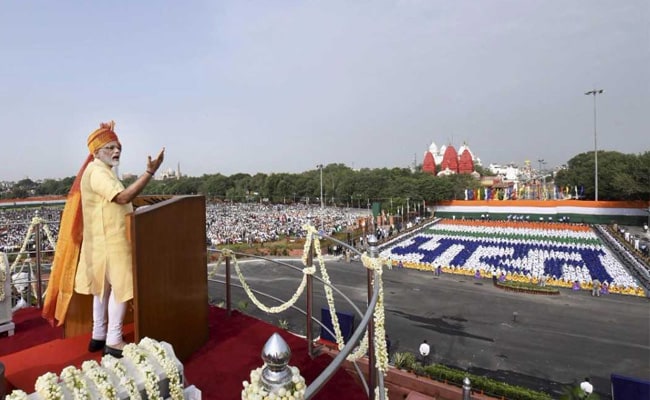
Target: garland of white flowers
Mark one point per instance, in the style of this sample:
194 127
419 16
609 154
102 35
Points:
379 316
16 395
47 386
312 238
100 378
23 249
30 231
75 382
3 275
151 380
171 370
117 367
374 264
222 256
276 309
255 390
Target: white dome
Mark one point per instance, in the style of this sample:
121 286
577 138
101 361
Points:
433 148
465 147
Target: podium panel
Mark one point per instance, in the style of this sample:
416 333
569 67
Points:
170 273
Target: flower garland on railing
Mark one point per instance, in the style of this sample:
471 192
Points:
151 380
381 352
168 365
276 309
47 386
30 231
23 250
100 378
312 238
374 264
75 382
117 367
3 275
222 256
255 390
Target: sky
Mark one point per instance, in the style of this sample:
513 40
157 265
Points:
282 86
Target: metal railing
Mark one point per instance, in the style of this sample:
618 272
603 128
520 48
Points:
375 379
29 266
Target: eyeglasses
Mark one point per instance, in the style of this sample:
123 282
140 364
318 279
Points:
112 147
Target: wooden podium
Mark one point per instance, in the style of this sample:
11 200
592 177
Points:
170 280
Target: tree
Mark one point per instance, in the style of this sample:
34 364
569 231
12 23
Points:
620 176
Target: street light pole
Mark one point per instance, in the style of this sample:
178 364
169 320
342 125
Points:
320 166
539 184
594 93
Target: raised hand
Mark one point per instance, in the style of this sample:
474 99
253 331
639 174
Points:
153 165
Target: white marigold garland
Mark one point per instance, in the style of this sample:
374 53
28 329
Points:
171 370
255 390
74 380
16 395
374 264
3 275
46 228
151 380
117 367
48 388
222 256
379 316
23 250
78 382
312 237
30 231
100 378
282 307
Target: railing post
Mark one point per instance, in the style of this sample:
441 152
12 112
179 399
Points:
467 389
228 297
39 284
373 252
310 301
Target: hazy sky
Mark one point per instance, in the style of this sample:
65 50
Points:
281 86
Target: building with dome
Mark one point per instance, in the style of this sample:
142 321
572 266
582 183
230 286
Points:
445 160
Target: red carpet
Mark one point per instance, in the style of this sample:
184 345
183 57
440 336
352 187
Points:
217 369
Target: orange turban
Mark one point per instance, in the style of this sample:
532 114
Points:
105 134
64 267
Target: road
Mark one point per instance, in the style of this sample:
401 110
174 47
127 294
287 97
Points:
554 341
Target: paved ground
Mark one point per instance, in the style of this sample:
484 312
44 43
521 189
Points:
554 341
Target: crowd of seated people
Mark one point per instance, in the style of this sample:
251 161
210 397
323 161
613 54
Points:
261 223
15 222
534 252
225 222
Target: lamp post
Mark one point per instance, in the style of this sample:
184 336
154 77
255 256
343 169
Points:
594 93
543 180
320 166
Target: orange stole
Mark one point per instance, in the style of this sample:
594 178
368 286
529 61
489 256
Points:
64 267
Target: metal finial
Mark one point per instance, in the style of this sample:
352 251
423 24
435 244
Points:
373 251
276 374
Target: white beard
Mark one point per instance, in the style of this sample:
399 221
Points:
109 161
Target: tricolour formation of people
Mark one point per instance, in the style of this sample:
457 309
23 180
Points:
543 253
